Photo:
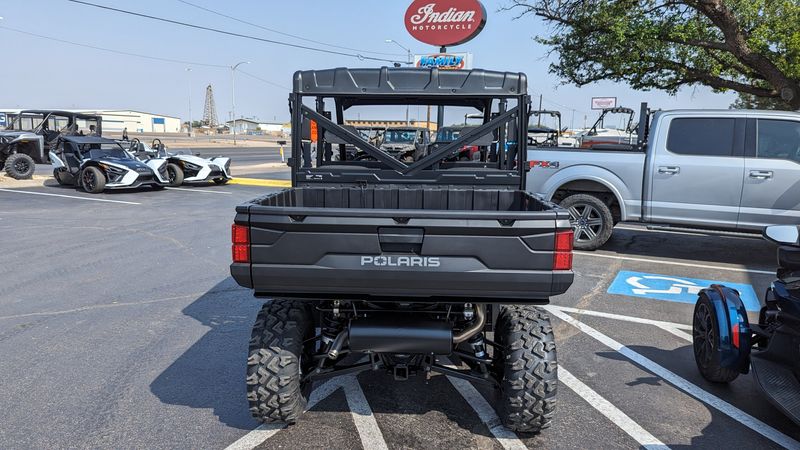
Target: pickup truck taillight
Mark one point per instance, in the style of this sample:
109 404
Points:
562 258
240 238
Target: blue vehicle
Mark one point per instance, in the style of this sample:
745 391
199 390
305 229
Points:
726 344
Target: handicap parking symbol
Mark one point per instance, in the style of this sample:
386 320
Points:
674 289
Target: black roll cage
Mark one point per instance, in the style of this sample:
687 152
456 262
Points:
619 110
404 86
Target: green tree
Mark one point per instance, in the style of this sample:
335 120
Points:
748 46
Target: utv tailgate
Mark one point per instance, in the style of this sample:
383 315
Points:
389 243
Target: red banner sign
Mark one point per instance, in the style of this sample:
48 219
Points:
445 22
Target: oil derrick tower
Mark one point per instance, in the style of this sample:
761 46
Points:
210 109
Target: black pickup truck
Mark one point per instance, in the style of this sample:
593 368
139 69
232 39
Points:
394 265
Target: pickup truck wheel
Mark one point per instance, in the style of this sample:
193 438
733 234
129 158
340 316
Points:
278 360
527 368
591 220
20 166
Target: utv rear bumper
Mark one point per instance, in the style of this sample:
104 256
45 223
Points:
480 286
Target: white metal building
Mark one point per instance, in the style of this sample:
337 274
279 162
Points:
244 126
115 120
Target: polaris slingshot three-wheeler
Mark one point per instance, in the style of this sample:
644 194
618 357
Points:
407 267
726 344
95 164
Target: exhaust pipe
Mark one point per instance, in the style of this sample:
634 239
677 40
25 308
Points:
400 335
475 327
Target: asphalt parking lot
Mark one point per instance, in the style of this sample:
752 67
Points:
121 327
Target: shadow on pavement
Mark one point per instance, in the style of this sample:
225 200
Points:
211 373
721 431
753 253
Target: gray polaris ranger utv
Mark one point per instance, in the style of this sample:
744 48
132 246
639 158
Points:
32 134
407 267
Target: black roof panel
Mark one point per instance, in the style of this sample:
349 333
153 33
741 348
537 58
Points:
391 82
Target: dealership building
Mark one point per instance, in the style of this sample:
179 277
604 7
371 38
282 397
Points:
116 120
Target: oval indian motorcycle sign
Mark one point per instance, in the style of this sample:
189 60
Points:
445 22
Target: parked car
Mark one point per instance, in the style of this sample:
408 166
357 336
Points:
95 164
722 170
404 263
726 344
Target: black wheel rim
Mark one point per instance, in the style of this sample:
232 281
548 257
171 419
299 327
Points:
586 222
703 334
89 180
21 166
171 174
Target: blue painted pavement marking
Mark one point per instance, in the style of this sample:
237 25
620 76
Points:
674 289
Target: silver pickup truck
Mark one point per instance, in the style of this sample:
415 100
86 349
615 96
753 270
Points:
729 170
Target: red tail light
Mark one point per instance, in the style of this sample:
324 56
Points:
240 238
562 257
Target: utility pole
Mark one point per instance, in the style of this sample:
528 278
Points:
233 96
189 97
408 62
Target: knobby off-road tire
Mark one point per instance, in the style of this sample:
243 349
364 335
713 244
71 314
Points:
705 342
19 166
528 368
591 220
276 360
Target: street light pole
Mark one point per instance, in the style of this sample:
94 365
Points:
189 97
408 61
233 96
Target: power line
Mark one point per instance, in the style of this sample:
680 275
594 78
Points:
137 55
284 33
231 33
262 80
120 52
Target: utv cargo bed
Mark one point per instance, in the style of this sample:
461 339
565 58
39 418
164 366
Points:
427 230
386 243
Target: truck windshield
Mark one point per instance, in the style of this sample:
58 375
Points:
400 136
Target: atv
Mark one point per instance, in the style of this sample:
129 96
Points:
726 344
95 164
184 167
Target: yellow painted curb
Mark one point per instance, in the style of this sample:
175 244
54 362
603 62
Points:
260 182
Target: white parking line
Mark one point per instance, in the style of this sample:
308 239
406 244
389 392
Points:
657 323
507 438
681 383
14 191
611 412
368 431
675 263
199 190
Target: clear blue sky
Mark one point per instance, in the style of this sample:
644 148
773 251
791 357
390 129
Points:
39 73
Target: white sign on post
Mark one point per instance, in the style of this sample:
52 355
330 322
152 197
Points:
604 102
